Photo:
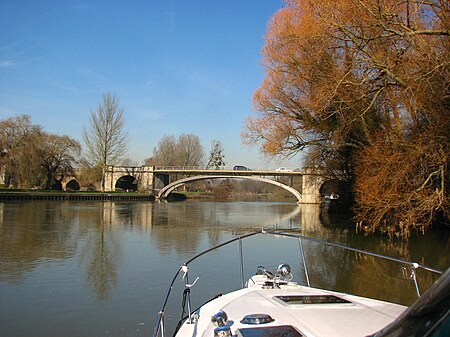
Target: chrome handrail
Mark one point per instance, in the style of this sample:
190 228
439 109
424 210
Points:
417 265
304 261
159 326
413 265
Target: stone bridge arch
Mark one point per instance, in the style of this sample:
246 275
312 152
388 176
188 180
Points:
127 183
142 177
70 183
164 192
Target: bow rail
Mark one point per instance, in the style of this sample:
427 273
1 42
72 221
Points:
159 330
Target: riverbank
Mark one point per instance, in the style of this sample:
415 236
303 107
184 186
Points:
62 195
19 194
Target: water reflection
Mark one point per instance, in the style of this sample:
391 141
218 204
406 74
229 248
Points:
30 236
128 214
177 226
100 252
45 231
116 250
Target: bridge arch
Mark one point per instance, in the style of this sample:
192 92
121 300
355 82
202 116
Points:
164 192
72 185
329 187
127 183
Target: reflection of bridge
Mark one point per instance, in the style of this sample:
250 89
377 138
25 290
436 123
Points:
156 180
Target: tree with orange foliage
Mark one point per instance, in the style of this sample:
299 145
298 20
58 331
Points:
360 84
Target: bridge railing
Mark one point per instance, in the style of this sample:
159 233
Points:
184 168
224 168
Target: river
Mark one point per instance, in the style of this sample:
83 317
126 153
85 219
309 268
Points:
103 268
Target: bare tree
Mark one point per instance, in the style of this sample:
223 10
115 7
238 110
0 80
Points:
165 153
190 150
90 177
105 138
184 151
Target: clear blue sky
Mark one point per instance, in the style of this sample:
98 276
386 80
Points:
177 66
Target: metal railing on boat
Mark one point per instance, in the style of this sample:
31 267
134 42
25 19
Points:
159 330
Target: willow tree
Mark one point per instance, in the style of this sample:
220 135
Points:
105 138
57 157
31 157
17 136
360 84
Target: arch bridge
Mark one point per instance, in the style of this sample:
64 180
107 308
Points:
164 193
156 180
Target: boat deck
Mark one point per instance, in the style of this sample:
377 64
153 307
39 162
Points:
317 313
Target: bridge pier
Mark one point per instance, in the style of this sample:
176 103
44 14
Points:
311 183
160 181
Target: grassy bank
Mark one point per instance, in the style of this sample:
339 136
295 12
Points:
31 194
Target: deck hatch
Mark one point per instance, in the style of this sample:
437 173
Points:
257 319
269 331
311 299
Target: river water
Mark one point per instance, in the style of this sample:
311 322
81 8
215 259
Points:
103 268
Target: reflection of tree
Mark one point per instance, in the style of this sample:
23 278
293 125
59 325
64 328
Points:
129 214
180 227
338 269
387 278
102 250
33 232
102 273
326 265
383 280
39 231
363 275
175 228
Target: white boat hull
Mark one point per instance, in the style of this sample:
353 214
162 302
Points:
356 317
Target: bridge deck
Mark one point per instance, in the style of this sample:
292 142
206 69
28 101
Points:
227 172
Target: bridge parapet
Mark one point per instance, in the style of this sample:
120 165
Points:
211 171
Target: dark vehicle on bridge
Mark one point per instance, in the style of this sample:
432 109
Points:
241 168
